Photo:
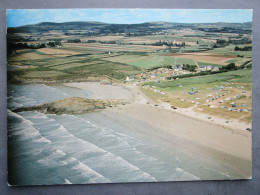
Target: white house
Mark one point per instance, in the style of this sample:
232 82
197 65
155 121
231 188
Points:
209 68
202 68
215 68
129 78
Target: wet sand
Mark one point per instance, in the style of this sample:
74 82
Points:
229 147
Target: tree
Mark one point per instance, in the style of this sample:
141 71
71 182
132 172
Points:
53 44
237 48
221 41
230 66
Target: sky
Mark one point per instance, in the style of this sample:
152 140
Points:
20 17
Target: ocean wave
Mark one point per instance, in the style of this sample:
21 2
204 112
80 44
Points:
185 173
221 173
15 115
26 130
42 139
13 105
67 181
85 170
53 159
37 115
104 159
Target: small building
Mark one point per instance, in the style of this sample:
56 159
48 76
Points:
202 68
209 68
178 67
129 78
215 68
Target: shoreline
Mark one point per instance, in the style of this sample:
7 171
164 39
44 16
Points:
223 142
138 99
223 146
208 142
137 96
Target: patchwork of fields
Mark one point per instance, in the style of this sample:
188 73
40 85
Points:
73 67
207 58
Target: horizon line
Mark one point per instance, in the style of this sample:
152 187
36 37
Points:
131 23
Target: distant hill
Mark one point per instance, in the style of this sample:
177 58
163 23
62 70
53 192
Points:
143 28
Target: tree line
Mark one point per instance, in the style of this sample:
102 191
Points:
229 67
12 47
246 48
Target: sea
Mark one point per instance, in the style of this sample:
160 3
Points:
98 147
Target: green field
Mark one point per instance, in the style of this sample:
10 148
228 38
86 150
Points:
39 52
206 63
43 74
152 61
148 61
73 67
229 50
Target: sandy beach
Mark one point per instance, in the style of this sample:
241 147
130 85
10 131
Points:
229 144
103 91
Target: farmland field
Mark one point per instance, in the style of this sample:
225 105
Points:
27 55
229 51
202 57
56 52
75 67
115 47
145 61
43 74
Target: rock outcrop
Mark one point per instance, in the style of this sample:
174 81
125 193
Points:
74 105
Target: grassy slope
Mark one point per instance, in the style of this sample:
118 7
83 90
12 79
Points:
156 60
229 50
240 76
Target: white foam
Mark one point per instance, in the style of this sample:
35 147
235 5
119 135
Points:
42 139
26 129
10 113
144 177
53 159
187 173
87 171
46 86
13 104
108 156
60 152
38 116
221 173
67 181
